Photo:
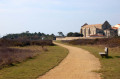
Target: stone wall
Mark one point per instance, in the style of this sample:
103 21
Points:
74 38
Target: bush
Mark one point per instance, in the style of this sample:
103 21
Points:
6 42
9 56
110 42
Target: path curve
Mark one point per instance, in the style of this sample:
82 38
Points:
79 64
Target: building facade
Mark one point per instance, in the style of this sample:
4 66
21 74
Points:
118 31
104 29
117 27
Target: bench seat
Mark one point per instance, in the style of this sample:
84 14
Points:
104 53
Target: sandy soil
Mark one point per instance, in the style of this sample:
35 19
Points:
79 64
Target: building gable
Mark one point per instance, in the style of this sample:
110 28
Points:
106 25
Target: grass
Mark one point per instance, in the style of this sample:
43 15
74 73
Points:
110 67
35 67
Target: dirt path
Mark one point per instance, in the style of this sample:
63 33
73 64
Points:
79 64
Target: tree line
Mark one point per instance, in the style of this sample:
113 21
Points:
30 36
38 36
71 34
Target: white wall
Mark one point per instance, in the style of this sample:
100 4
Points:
74 38
119 31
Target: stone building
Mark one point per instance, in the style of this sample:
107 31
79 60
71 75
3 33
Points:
104 29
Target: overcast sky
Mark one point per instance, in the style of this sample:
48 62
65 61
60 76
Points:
51 16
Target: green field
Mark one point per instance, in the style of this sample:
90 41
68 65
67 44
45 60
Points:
35 67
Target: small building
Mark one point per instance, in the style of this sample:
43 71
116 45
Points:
118 31
104 30
117 27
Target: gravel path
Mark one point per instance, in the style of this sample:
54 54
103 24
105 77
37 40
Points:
79 64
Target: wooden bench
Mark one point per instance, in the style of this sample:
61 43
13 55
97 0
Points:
104 54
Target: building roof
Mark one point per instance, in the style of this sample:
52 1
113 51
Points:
99 26
115 28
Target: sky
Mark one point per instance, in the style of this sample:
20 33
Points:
53 16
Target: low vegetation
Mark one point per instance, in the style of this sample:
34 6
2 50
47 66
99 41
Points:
18 42
109 42
10 55
37 66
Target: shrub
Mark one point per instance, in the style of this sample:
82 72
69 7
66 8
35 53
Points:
6 42
9 56
110 42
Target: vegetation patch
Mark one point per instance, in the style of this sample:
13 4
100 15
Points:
10 56
110 42
33 68
19 42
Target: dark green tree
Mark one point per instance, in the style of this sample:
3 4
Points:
70 34
61 34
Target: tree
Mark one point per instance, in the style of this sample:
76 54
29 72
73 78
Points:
39 34
29 36
27 31
76 34
61 34
52 35
81 35
70 34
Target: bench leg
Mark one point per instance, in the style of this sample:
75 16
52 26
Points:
106 56
102 56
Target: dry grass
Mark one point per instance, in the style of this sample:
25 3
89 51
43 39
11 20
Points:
33 68
10 56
